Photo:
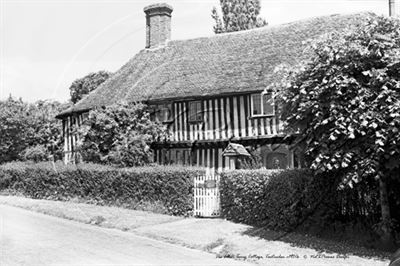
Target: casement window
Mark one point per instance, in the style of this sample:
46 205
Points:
85 116
164 113
262 104
183 157
195 111
178 156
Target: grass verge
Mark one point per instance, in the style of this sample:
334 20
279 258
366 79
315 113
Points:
105 216
218 236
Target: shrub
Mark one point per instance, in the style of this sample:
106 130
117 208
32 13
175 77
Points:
119 135
300 200
277 199
36 154
171 186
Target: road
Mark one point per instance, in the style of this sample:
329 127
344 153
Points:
29 238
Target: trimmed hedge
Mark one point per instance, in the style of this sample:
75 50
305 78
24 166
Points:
277 199
170 186
298 200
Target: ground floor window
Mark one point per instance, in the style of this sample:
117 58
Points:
176 156
275 160
269 156
277 156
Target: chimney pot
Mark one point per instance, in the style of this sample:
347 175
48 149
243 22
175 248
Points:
158 24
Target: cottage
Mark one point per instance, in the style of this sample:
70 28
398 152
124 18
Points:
209 91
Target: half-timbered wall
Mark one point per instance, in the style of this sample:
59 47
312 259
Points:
71 138
223 118
211 157
202 157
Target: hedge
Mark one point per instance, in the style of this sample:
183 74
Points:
277 199
170 186
296 199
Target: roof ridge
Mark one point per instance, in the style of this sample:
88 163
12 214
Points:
266 28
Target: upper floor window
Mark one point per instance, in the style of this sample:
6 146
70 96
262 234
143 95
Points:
262 104
164 112
85 116
195 111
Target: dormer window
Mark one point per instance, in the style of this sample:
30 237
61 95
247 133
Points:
262 104
195 112
164 113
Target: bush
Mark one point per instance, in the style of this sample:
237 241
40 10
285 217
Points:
171 186
36 154
277 199
119 135
302 201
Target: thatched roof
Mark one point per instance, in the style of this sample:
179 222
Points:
231 63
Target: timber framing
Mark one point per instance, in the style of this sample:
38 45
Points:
203 90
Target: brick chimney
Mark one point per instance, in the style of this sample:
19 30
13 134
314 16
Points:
158 24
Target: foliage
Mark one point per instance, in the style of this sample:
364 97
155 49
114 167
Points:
37 153
171 186
277 199
252 162
237 15
345 106
48 129
24 125
120 135
299 200
13 130
82 86
345 103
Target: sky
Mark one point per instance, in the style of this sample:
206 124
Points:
46 44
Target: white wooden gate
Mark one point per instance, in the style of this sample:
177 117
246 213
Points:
206 195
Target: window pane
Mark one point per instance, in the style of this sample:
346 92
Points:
159 115
195 111
256 99
163 112
179 158
192 111
199 112
268 104
186 157
168 112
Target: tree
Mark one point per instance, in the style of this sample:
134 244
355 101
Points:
237 15
47 130
24 125
81 87
345 106
119 134
14 131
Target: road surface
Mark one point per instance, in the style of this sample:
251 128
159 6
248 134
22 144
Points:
29 238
